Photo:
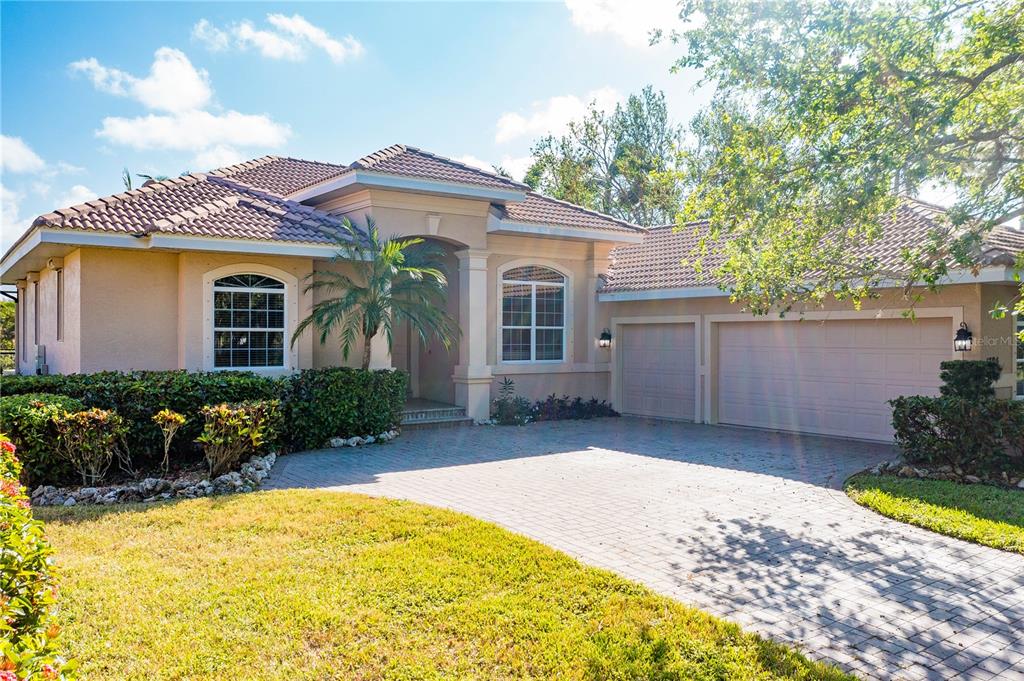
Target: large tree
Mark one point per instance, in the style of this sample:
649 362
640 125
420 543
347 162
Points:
826 112
622 162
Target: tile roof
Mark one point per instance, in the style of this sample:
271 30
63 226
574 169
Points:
407 161
544 210
656 262
197 205
279 175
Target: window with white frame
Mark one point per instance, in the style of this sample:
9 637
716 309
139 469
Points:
532 315
1020 358
248 322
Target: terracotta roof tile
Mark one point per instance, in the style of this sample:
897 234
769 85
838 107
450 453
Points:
279 175
198 205
656 262
544 210
407 161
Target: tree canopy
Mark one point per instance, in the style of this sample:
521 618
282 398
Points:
622 163
826 113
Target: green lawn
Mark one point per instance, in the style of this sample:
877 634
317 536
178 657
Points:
979 513
326 585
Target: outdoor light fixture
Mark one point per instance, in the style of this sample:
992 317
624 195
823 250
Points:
605 339
964 339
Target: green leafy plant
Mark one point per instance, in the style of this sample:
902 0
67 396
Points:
88 440
341 402
231 431
168 422
562 408
970 379
510 409
391 280
28 589
28 419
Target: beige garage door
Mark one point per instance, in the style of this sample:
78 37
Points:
656 370
830 377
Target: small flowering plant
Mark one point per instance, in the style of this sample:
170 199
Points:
28 591
168 422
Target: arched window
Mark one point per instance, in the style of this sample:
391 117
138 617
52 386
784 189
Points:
248 322
532 315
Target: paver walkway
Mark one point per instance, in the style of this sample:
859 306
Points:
745 524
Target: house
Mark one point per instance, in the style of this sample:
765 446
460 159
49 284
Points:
206 272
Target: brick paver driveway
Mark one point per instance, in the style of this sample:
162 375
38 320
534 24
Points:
746 524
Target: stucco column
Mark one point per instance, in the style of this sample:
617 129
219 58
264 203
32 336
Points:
472 375
380 353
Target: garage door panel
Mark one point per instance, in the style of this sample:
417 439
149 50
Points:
658 376
832 377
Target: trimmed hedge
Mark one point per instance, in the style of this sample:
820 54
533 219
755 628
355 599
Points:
969 379
324 403
317 404
28 627
29 420
137 395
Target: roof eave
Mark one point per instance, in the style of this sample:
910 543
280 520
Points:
368 178
496 225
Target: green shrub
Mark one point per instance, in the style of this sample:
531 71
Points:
29 421
563 408
969 379
137 395
28 629
509 409
88 440
970 435
341 402
231 431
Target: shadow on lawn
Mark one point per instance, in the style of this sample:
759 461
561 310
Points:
807 458
765 570
80 513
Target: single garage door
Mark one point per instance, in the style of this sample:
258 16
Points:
831 377
657 374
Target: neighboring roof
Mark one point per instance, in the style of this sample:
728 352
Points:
543 210
279 175
407 161
656 262
197 205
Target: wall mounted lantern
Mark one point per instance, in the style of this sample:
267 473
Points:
605 339
964 339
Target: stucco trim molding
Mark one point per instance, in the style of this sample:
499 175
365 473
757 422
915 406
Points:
385 181
291 315
496 225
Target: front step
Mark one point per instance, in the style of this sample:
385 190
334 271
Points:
447 416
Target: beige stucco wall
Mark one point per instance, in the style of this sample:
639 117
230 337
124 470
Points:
62 355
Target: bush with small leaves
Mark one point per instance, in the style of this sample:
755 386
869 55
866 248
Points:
88 440
28 590
168 422
231 431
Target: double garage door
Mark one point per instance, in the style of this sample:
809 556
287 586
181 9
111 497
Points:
830 378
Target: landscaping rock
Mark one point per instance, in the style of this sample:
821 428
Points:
70 501
907 472
1020 483
973 479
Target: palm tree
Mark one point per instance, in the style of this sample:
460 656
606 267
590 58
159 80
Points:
393 280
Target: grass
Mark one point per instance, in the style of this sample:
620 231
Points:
305 584
982 514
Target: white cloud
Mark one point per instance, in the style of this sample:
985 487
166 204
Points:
216 157
196 131
288 39
41 189
552 116
337 50
516 166
173 83
269 44
215 39
630 20
18 157
11 221
76 195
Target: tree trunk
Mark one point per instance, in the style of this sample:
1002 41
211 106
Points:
367 340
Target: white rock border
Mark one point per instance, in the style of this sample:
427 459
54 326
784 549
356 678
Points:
246 479
338 442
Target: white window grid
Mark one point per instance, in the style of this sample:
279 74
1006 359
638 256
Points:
267 329
533 327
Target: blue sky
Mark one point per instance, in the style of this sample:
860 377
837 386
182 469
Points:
88 89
